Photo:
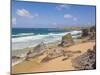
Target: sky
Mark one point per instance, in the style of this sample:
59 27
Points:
51 15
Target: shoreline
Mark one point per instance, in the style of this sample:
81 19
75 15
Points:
40 67
33 40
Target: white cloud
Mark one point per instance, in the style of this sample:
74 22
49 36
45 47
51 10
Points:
13 20
64 6
25 13
69 16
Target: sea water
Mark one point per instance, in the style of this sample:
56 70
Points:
30 37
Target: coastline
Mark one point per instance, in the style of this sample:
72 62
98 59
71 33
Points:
55 64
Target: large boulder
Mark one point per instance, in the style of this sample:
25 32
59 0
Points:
67 40
86 60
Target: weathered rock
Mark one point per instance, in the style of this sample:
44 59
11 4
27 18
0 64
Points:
91 32
16 57
38 50
53 53
85 61
85 32
67 40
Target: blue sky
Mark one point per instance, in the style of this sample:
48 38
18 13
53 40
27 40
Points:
51 15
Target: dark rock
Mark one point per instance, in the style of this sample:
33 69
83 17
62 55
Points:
85 32
16 57
85 61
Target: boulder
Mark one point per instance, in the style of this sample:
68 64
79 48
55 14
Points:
85 61
38 50
85 32
67 40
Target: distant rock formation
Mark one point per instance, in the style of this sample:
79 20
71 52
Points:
91 32
85 32
86 60
67 40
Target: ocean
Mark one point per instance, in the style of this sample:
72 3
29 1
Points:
30 37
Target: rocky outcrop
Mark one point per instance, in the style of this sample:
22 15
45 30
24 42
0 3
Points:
86 60
38 50
55 53
67 40
91 32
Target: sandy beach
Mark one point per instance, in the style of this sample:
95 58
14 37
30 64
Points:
56 64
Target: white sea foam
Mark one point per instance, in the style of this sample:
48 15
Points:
33 40
23 34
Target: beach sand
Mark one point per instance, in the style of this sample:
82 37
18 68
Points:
56 64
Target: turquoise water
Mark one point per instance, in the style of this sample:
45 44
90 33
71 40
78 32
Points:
30 37
19 32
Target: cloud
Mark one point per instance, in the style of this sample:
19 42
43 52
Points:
69 16
25 13
13 20
64 6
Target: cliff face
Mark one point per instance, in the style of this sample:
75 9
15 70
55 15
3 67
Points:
85 61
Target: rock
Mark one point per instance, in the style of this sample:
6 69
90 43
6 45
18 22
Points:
53 53
38 50
85 32
85 61
67 40
91 32
16 57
